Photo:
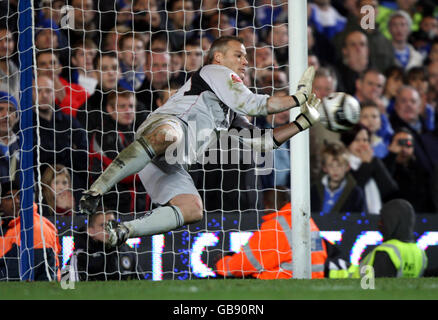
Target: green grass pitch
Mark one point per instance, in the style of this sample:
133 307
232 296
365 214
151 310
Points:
229 289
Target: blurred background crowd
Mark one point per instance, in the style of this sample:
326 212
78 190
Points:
103 66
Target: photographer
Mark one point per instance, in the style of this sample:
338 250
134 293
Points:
412 178
93 261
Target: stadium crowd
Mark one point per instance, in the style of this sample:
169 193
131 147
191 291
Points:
101 73
117 61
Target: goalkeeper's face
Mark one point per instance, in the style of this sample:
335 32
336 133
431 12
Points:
234 58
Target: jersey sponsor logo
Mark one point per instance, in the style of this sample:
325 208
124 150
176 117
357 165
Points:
235 78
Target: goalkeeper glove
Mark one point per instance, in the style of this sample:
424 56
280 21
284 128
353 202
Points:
304 86
309 113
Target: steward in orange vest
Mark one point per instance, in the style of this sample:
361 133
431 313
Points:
10 239
268 254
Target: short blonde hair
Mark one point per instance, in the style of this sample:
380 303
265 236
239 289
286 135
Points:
335 149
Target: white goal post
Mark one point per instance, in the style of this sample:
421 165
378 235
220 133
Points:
300 171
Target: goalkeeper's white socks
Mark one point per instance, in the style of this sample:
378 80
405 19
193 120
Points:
131 160
159 220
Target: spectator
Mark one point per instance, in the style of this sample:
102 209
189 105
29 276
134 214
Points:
92 260
398 256
82 67
243 13
193 56
369 87
429 25
250 36
400 24
320 46
369 171
417 78
270 80
90 113
219 25
433 52
166 93
132 52
370 117
381 55
432 71
326 19
176 68
60 137
312 60
407 114
261 62
117 133
205 44
423 38
47 35
394 81
413 180
9 73
268 253
57 192
86 22
147 17
280 175
386 9
51 10
45 238
324 84
278 38
110 41
159 42
267 13
68 96
355 60
190 61
157 77
336 191
9 144
264 57
181 23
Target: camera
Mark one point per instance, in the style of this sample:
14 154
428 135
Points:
405 142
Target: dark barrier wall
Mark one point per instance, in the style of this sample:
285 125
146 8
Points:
191 252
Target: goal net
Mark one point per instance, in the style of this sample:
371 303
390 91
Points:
99 69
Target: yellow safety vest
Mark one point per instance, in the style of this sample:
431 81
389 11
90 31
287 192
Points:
408 259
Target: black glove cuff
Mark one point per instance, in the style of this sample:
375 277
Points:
298 125
296 100
276 143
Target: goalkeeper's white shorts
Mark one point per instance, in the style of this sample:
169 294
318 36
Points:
163 181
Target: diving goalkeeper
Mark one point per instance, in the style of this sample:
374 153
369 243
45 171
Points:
213 99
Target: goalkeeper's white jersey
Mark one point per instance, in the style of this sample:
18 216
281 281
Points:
210 95
213 99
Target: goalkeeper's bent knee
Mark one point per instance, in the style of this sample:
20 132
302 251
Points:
131 160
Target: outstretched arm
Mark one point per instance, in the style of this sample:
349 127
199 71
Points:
308 116
279 104
231 90
267 139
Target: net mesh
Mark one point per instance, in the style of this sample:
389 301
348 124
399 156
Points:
101 67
